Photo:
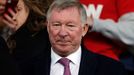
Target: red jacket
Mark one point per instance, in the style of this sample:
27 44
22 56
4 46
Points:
105 9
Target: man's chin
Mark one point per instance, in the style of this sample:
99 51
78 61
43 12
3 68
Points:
62 48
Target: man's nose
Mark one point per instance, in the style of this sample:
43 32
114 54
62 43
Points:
63 31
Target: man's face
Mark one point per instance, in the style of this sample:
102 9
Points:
2 6
65 30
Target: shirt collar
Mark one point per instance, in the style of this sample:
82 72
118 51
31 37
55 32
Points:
74 57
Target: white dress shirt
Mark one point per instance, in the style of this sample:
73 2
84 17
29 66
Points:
58 69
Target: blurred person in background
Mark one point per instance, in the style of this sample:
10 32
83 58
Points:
8 65
29 38
112 29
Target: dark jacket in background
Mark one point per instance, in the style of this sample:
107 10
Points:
28 46
8 65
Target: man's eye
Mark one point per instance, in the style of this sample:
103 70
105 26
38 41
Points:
71 25
56 24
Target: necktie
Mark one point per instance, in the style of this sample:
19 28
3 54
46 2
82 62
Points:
65 62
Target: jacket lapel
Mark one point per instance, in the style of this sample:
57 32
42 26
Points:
88 63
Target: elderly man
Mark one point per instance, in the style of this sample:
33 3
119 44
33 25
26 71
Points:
67 24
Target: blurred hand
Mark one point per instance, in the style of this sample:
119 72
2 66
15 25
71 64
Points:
10 19
90 22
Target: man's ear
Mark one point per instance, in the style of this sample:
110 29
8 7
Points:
85 29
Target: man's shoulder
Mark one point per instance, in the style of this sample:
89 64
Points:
100 58
103 64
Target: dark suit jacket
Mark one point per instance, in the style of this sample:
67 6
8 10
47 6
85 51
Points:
8 65
91 64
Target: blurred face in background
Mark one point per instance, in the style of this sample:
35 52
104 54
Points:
2 8
18 18
22 14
